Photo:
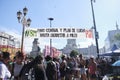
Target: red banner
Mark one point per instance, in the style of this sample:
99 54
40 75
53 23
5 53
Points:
89 33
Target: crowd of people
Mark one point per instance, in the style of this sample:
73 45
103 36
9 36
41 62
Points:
48 68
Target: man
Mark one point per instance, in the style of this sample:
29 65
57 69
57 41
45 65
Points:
17 65
4 72
39 69
63 66
34 70
50 68
92 67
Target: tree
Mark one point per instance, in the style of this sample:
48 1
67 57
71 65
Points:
73 53
117 36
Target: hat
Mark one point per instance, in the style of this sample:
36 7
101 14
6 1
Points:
6 55
92 57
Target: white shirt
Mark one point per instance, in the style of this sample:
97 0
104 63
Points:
4 72
17 69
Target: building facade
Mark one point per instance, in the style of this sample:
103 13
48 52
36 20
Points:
9 43
113 38
71 45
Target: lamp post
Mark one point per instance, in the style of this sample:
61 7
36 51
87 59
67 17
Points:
25 23
51 19
96 33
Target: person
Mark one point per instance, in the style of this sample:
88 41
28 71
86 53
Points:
34 70
17 65
63 66
50 68
71 70
24 73
56 60
92 68
81 65
39 68
4 71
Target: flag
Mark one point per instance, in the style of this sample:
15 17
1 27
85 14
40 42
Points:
46 50
89 33
55 52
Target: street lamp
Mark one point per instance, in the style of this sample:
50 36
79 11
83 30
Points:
25 22
96 33
51 19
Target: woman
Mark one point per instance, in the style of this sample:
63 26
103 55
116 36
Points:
4 71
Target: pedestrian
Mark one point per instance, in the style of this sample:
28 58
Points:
50 68
39 68
4 71
34 70
24 73
56 60
92 68
17 65
81 65
63 67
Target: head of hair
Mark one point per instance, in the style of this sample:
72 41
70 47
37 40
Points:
55 59
63 57
19 54
38 59
6 55
80 55
48 58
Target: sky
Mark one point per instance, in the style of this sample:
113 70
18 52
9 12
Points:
66 13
